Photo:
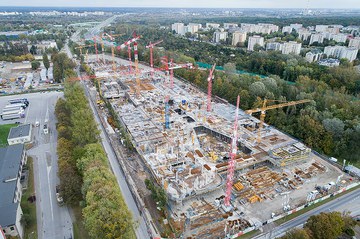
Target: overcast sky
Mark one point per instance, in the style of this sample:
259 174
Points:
188 3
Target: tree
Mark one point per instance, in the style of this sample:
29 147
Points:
46 63
325 225
35 65
296 234
33 50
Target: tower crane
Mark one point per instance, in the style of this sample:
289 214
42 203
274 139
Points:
112 38
233 150
96 49
83 46
264 108
209 79
151 47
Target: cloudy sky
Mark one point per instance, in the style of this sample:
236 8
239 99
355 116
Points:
189 3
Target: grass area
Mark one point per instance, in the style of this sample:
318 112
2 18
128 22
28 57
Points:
4 132
249 235
29 209
298 213
78 225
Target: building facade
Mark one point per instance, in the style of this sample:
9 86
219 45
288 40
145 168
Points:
179 28
291 48
238 37
220 36
340 52
255 40
355 42
317 37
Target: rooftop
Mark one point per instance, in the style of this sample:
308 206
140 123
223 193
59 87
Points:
10 162
19 131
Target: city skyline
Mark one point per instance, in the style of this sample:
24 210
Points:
350 4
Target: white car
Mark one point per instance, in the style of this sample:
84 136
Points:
37 124
59 199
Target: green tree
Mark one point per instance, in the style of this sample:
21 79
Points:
296 234
46 63
35 65
325 225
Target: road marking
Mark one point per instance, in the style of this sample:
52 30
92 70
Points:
48 168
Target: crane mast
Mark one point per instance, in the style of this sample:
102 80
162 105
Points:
210 87
233 150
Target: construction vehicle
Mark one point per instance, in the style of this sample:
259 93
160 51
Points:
264 108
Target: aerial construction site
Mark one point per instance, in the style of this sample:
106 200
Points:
224 170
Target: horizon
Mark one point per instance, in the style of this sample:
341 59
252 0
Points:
233 4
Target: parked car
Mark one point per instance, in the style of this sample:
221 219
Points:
59 199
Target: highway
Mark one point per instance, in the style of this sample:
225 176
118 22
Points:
348 202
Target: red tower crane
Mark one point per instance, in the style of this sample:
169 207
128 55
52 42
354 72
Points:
210 78
233 150
151 47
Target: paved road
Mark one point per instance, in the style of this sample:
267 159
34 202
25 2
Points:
54 222
141 230
348 202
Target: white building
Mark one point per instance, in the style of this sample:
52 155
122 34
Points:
238 37
312 56
193 28
287 29
230 25
291 48
296 26
321 28
355 42
220 36
317 37
338 37
263 28
340 52
20 134
304 34
255 40
12 160
212 25
274 46
179 28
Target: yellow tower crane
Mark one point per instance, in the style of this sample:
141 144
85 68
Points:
264 108
112 38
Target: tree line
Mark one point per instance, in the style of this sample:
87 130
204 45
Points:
329 124
84 172
324 225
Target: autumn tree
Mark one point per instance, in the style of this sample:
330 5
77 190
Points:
325 225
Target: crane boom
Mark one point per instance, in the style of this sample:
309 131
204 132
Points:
264 108
271 107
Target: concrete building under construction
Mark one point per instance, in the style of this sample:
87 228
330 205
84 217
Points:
186 149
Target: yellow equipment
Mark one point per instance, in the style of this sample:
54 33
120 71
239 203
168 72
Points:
264 108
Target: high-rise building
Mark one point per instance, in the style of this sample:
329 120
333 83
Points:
255 40
339 37
220 36
349 53
179 28
296 26
291 48
304 34
230 25
192 28
259 28
314 55
317 37
212 25
287 29
238 37
355 42
274 46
